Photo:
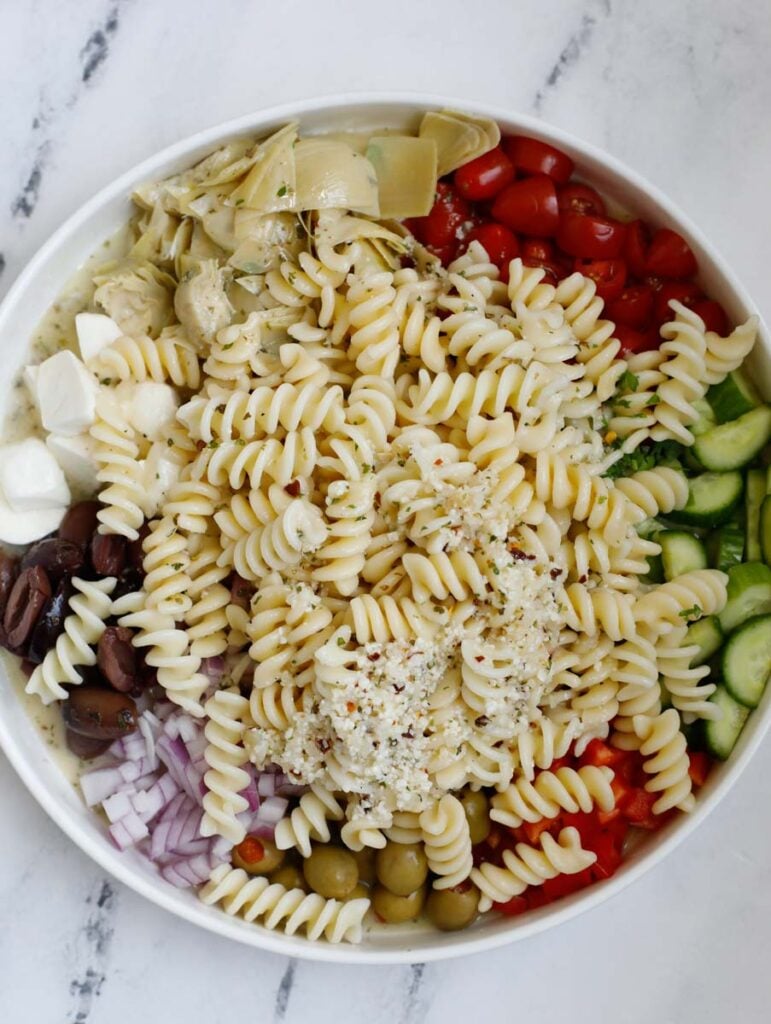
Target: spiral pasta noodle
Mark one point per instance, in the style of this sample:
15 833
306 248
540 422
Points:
445 832
228 717
565 789
664 747
167 358
117 454
309 820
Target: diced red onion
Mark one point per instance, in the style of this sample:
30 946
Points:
272 810
213 669
117 806
100 783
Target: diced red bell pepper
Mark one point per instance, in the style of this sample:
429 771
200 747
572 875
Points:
638 809
566 885
530 832
516 905
699 766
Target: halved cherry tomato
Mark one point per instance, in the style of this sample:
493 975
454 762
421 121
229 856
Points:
669 255
682 291
597 238
633 307
535 157
637 341
484 177
441 225
638 809
499 242
529 206
608 275
636 247
698 767
445 253
539 249
714 316
578 198
516 905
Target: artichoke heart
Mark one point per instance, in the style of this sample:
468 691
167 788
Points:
406 174
459 137
270 184
332 175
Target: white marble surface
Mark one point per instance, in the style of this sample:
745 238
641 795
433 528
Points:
681 90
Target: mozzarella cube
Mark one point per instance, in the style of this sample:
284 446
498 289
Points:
66 394
76 457
151 409
95 331
160 475
30 477
29 376
24 527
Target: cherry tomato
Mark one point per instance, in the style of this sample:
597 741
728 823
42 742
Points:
441 225
500 244
484 177
669 255
714 316
445 253
554 272
636 247
633 307
699 765
683 291
540 250
637 341
535 157
529 206
578 198
597 238
608 275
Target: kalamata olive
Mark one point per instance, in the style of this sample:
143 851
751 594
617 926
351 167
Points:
51 622
134 550
331 872
58 557
241 591
80 523
257 856
397 909
9 569
401 867
86 746
453 909
27 599
477 809
108 554
117 658
101 714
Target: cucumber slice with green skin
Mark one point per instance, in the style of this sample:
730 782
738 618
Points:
732 445
705 419
712 498
655 573
733 397
749 594
720 736
705 634
680 552
725 546
765 529
753 498
747 661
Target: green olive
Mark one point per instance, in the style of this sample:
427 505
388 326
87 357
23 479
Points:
452 909
401 867
359 892
331 872
257 856
289 876
477 814
395 909
365 862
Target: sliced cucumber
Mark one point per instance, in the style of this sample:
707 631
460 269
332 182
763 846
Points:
765 529
705 418
680 552
747 661
753 499
648 528
732 445
707 635
720 736
749 594
712 498
655 573
725 546
733 397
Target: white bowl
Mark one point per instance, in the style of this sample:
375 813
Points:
40 283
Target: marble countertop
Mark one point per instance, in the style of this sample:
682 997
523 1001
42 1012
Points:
681 91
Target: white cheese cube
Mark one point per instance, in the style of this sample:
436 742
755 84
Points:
66 394
76 457
30 477
152 408
95 331
24 527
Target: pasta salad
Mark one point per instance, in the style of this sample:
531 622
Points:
393 532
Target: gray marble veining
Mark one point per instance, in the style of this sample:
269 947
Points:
681 91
